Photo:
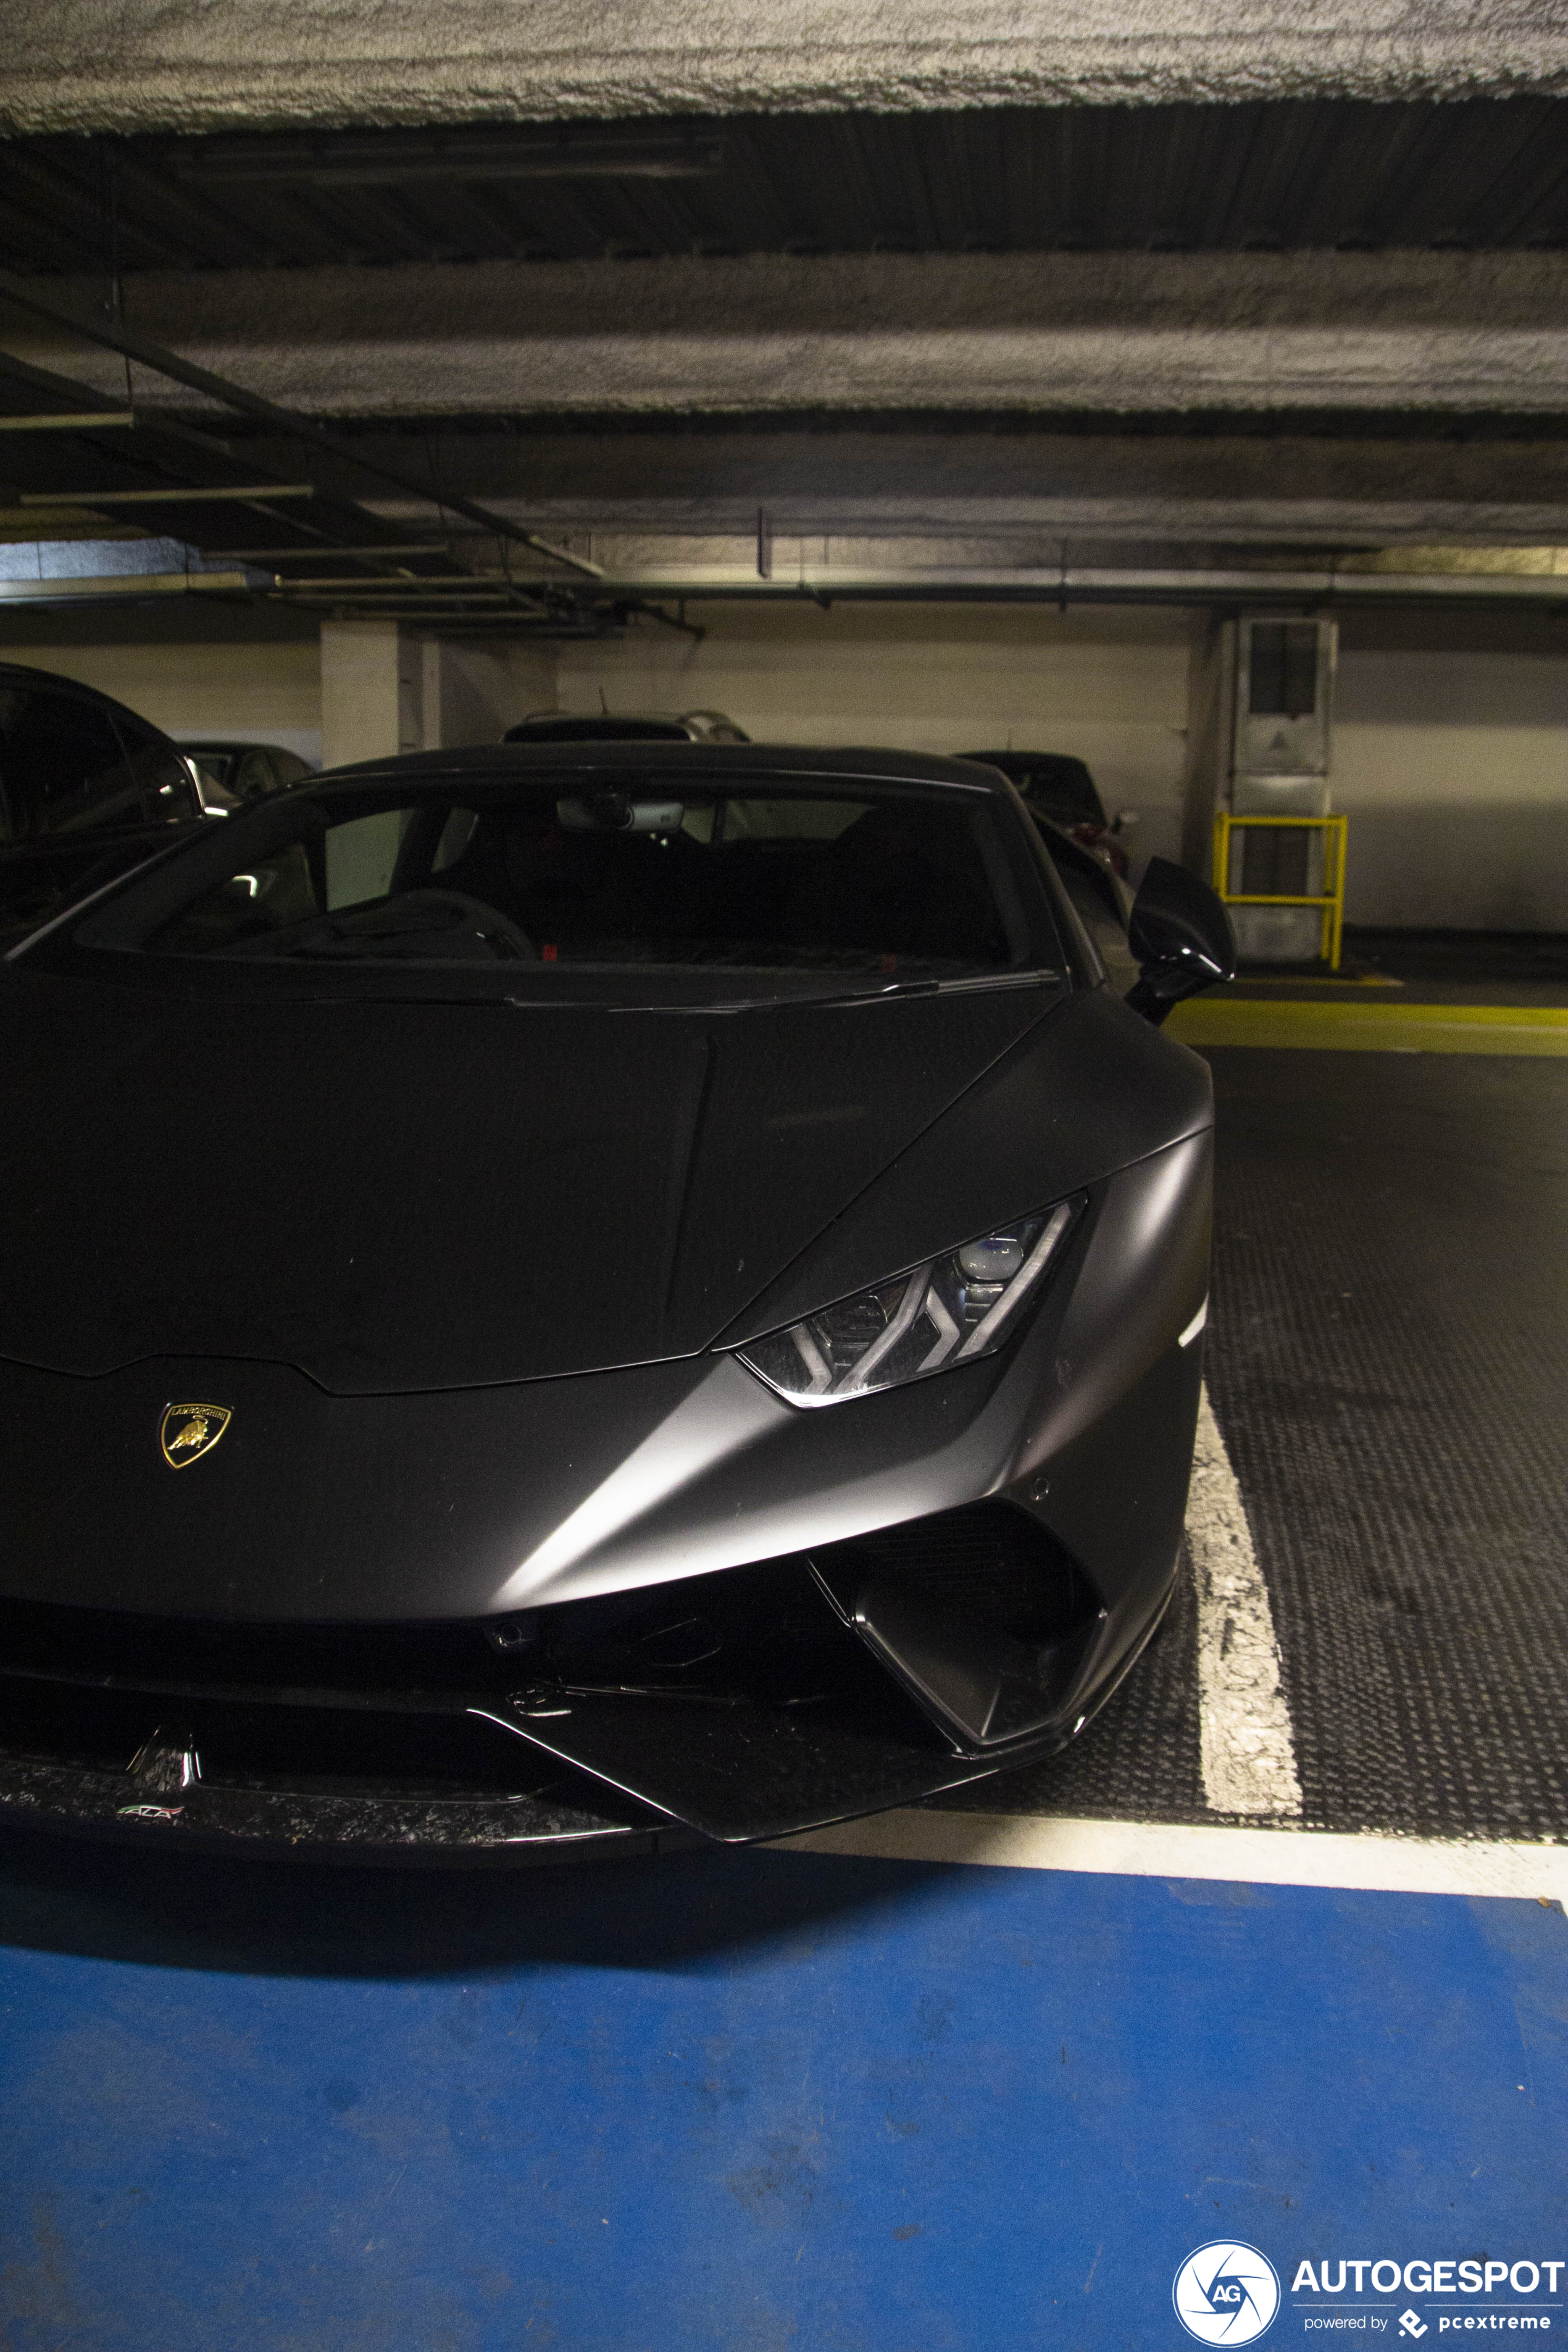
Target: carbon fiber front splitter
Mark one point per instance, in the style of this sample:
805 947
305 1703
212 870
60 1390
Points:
358 1828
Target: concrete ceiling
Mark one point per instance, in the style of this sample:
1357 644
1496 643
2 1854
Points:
811 299
185 64
1044 335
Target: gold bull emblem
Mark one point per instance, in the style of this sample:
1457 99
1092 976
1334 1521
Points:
189 1431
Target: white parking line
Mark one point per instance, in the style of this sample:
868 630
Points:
1247 1751
1281 1857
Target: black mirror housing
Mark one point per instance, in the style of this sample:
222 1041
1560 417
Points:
1181 935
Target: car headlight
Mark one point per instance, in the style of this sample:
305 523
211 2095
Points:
947 1312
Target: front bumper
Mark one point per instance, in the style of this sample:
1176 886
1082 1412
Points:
739 1706
966 1569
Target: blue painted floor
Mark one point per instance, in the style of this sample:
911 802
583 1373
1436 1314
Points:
751 2101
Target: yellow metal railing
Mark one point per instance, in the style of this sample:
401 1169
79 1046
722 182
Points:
1330 901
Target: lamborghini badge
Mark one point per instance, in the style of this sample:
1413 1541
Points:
189 1431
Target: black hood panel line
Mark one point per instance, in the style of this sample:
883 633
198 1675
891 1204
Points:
395 1197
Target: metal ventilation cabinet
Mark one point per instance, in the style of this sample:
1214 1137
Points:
1282 745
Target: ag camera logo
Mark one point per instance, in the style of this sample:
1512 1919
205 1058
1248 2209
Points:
1227 2292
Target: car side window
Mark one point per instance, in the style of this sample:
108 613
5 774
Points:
64 767
161 776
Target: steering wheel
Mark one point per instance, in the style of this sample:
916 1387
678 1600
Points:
419 915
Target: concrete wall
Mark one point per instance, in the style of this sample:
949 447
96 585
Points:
473 693
255 693
1110 685
1452 766
1450 743
377 693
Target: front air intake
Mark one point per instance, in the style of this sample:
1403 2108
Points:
979 1614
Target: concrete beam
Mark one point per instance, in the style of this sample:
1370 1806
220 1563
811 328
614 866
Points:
977 479
1463 334
183 64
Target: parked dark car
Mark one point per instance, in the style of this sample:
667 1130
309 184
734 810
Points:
1061 788
703 1329
87 789
231 774
626 726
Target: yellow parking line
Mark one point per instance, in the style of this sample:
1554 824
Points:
1378 1028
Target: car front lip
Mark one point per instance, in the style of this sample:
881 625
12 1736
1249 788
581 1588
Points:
41 1794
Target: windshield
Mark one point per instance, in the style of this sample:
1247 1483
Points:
534 877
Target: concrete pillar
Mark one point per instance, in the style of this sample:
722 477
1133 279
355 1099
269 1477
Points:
371 692
1211 700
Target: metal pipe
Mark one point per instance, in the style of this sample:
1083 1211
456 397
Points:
476 585
249 492
1093 585
317 554
394 605
83 420
123 587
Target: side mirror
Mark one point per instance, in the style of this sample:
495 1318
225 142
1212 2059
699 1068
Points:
1182 937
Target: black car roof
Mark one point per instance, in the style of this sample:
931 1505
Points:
734 759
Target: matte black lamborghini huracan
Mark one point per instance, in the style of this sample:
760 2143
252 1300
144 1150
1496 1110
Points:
555 1291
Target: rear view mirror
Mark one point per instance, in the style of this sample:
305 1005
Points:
609 811
1182 937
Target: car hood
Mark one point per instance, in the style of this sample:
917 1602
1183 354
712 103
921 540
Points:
394 1196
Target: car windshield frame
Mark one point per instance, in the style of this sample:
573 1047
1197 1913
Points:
114 935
